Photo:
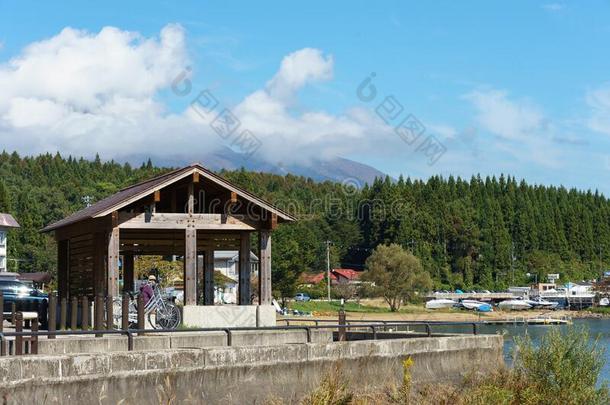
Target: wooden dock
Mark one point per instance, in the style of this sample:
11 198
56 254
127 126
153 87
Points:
529 321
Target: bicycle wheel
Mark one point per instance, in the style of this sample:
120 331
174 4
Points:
168 317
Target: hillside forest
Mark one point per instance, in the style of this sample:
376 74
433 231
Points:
477 233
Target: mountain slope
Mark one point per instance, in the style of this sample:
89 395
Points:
338 169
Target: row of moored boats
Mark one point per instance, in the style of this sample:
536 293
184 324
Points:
516 304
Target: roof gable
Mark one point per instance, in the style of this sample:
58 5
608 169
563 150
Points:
138 191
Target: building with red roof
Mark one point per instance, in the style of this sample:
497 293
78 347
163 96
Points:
337 276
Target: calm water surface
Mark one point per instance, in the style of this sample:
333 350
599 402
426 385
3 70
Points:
597 327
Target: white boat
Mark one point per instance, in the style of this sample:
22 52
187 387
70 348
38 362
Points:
604 302
476 305
514 305
440 303
542 303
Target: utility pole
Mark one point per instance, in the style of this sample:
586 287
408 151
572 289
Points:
512 262
328 267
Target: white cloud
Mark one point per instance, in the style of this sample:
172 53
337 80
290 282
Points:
599 102
504 117
297 70
521 128
84 93
554 7
445 131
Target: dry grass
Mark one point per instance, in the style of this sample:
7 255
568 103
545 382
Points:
563 369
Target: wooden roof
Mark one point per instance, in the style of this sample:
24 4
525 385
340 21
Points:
138 191
7 221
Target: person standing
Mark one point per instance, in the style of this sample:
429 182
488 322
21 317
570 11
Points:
146 289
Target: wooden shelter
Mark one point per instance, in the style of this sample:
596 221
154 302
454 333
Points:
187 212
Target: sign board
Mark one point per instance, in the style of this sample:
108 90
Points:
552 277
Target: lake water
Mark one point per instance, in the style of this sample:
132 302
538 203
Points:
597 327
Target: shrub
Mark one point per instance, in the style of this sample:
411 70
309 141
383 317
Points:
565 367
333 390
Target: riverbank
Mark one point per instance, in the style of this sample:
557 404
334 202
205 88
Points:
375 309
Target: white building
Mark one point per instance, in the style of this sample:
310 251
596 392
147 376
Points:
6 222
227 262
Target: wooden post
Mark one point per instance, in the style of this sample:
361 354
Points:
208 277
99 268
18 328
190 266
63 313
109 314
244 269
128 273
13 312
191 199
98 307
63 267
200 280
264 268
342 321
74 313
52 314
125 312
140 314
113 257
34 338
84 313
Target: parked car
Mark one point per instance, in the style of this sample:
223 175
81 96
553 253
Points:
302 297
25 297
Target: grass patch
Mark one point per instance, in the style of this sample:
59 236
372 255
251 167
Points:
321 307
599 310
334 306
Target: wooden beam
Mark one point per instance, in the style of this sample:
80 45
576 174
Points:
191 199
208 277
112 288
233 197
244 270
273 222
168 221
264 268
157 196
84 228
190 266
196 177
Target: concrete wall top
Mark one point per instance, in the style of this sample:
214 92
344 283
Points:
46 368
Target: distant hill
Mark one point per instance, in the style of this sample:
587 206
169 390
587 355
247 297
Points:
338 169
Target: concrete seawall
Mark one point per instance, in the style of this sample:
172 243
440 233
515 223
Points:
90 344
244 375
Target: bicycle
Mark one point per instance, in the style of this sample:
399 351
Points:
160 312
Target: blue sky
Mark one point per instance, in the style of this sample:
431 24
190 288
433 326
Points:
516 87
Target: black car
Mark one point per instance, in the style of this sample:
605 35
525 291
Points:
26 298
